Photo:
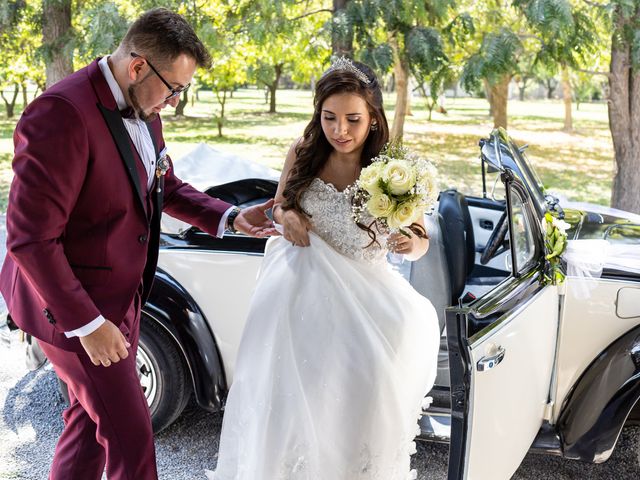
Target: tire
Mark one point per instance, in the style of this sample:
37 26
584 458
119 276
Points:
163 374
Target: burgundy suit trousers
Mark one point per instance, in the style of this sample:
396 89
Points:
108 419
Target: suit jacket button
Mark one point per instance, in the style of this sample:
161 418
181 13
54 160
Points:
48 315
142 238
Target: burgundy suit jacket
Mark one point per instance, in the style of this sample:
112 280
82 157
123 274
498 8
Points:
82 234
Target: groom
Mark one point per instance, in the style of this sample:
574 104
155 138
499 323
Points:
91 180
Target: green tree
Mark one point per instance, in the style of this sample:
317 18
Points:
20 40
58 39
405 34
507 36
624 110
288 38
568 40
101 25
230 53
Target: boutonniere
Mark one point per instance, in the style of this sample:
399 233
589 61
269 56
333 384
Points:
162 165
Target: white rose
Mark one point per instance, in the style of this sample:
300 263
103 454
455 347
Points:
427 178
404 215
380 205
370 176
400 177
561 225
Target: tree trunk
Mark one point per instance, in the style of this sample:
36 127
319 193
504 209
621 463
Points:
273 88
401 75
624 119
550 88
567 95
409 95
341 35
10 105
25 98
222 101
57 39
499 99
522 87
487 92
181 104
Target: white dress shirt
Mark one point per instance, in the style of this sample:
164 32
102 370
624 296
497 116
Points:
141 138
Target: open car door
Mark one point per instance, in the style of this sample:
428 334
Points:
501 353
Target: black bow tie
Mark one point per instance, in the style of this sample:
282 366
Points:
128 113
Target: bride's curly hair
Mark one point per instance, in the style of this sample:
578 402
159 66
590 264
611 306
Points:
312 152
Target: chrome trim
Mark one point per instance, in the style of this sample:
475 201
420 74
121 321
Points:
502 321
489 361
429 433
150 381
204 250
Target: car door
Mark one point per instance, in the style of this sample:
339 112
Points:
501 351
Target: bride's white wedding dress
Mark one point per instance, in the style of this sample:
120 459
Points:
336 357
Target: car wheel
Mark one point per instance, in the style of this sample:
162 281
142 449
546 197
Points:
162 373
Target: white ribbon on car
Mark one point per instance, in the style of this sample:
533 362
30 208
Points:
586 260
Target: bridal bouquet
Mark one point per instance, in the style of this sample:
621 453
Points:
396 189
555 243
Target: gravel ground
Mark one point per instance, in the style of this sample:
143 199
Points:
30 424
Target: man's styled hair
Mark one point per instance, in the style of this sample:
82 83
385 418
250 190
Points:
162 35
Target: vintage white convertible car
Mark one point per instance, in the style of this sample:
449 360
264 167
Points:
524 366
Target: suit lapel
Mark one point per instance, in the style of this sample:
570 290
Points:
158 184
121 139
109 110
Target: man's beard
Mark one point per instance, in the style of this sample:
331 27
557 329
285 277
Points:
136 106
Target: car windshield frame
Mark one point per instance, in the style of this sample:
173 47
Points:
502 153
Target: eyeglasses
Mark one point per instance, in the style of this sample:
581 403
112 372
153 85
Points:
174 91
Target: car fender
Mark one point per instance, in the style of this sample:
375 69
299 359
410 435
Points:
601 401
171 306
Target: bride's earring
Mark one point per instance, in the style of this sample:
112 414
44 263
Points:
374 126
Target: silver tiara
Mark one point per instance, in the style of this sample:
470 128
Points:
344 64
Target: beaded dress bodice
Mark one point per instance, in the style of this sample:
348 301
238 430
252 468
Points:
332 220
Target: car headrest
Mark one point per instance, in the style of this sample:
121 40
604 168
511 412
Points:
244 191
460 245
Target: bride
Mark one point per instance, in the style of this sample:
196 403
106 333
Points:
338 350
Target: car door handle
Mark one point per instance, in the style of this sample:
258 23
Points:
486 224
489 361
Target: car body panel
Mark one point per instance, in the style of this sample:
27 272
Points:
515 391
601 400
222 284
170 306
587 327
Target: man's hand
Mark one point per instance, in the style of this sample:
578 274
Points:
254 222
106 345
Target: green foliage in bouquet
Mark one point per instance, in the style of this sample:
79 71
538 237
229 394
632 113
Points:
555 243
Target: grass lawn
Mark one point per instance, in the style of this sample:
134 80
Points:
578 166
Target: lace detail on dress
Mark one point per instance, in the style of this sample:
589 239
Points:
331 219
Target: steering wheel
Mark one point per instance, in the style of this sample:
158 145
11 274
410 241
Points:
495 240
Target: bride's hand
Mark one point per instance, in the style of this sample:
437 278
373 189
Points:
296 227
412 246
